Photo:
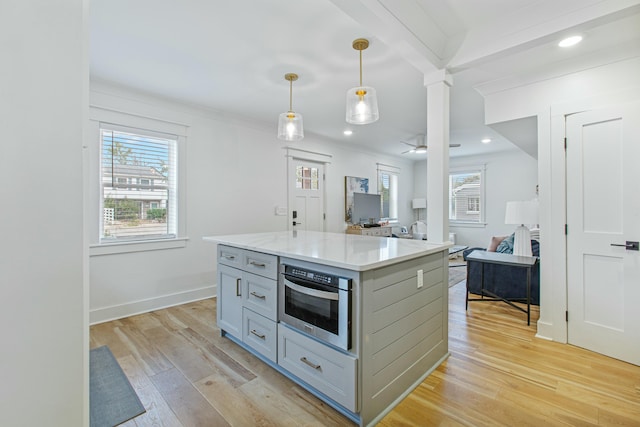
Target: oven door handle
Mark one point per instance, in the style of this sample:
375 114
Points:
312 292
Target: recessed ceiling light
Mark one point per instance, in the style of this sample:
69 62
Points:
348 132
486 140
570 41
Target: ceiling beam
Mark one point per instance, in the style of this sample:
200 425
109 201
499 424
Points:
404 27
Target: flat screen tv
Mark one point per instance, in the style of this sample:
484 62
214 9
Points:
366 207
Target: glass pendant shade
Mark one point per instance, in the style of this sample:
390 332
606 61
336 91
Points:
362 105
290 126
362 102
290 123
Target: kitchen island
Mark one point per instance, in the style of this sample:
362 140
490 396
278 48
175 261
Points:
398 324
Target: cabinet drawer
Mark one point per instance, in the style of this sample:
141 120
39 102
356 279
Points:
324 368
230 256
260 334
261 264
260 295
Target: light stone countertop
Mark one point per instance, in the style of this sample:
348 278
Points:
349 251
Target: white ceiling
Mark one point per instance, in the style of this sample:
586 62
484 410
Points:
231 56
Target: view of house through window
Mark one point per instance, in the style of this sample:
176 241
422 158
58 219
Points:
138 176
466 196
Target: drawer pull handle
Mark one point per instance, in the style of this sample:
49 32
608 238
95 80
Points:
238 293
258 295
229 257
254 332
257 264
313 365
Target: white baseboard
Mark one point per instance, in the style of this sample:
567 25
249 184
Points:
545 331
106 314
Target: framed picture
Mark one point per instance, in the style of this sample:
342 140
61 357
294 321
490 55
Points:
352 185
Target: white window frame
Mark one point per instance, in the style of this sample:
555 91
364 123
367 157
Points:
483 208
124 121
394 178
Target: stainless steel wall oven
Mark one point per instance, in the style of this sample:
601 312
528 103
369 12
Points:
316 303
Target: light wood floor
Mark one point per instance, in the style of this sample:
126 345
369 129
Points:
498 374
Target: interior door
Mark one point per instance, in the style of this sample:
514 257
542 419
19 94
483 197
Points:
306 186
603 218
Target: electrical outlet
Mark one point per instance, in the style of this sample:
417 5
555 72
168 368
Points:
420 279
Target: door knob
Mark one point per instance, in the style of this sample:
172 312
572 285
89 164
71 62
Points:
630 246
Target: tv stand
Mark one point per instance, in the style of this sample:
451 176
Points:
381 231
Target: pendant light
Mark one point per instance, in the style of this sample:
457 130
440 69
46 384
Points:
290 123
362 103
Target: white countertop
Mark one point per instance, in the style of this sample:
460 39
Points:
350 251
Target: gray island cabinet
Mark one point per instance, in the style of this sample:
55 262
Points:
399 323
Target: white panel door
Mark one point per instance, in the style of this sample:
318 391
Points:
603 211
306 182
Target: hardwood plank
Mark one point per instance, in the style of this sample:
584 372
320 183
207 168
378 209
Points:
498 374
235 371
277 405
105 334
158 412
189 359
227 398
191 408
142 348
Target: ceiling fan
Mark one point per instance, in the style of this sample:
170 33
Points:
420 146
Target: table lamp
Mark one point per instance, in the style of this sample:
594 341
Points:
419 204
521 213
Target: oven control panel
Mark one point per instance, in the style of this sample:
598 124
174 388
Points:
312 276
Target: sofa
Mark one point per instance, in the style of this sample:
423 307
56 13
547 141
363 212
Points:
506 281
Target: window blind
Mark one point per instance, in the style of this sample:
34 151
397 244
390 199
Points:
138 175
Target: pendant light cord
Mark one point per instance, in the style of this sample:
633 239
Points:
291 95
360 67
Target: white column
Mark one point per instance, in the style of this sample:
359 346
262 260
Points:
438 85
44 107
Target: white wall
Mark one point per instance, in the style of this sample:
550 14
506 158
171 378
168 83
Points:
509 175
42 105
236 176
550 101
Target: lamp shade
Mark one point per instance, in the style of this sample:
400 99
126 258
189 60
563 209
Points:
290 123
290 126
419 203
521 212
362 105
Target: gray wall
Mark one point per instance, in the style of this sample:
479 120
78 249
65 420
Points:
43 102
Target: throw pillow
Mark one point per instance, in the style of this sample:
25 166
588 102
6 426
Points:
495 241
506 246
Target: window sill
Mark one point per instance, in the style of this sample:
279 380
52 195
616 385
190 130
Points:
458 224
139 246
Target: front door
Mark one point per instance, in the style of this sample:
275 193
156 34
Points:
603 213
306 182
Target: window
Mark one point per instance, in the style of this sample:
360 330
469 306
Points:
466 195
307 178
388 189
138 171
473 205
